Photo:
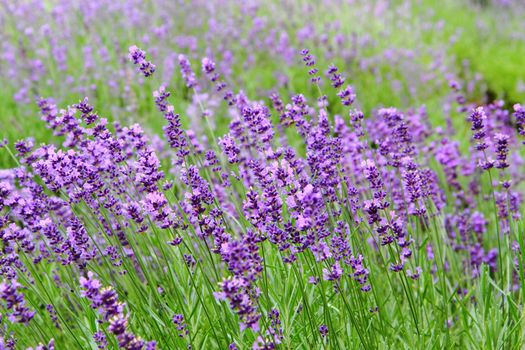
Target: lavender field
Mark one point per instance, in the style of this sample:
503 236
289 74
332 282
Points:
336 174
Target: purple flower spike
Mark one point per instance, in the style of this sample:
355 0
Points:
15 303
502 150
477 118
138 57
105 301
323 329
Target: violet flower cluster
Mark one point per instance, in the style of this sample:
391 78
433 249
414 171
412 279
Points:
105 301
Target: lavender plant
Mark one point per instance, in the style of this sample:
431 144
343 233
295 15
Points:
373 233
292 215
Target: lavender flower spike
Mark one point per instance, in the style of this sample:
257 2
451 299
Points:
138 57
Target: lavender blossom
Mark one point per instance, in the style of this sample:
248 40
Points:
105 301
138 57
15 304
477 118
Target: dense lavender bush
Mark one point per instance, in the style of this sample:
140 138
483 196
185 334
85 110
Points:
308 222
247 241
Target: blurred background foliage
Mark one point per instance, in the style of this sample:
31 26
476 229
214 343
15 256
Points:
395 53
